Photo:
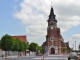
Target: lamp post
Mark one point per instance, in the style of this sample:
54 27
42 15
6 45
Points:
6 47
48 46
36 51
75 45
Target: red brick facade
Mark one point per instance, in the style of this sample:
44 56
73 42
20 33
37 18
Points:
54 43
22 38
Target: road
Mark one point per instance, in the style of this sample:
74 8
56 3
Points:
18 58
38 58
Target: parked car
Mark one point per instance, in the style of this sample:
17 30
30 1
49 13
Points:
73 55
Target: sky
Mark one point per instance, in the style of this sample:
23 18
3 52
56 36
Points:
29 17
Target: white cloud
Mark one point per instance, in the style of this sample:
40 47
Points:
75 37
68 22
34 15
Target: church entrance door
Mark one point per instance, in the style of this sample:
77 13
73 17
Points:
52 51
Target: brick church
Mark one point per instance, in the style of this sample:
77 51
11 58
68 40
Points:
54 43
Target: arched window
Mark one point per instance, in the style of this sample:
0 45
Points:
52 38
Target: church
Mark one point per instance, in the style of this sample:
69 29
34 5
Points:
54 43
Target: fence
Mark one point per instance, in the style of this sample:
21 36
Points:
16 53
11 53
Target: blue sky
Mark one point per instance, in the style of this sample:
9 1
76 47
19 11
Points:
8 23
24 17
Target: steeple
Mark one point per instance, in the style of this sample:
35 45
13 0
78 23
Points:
52 15
52 20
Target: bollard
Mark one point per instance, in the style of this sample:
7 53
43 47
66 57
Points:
69 58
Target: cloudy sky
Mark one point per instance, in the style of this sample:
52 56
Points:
29 17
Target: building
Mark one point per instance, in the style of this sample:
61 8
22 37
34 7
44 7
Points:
54 43
21 37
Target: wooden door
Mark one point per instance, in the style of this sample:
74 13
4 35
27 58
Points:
52 51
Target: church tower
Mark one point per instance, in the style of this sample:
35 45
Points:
54 43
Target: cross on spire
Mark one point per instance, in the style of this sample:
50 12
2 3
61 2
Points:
51 4
52 15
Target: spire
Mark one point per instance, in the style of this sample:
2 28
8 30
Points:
51 4
52 15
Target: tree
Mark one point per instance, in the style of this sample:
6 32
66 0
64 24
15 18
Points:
0 44
11 44
33 46
16 45
64 50
20 45
27 45
40 48
23 46
7 42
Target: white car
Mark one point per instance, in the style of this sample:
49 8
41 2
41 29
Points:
73 55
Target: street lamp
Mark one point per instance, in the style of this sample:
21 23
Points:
6 47
75 45
36 51
48 46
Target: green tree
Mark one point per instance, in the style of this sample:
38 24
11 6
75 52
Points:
22 46
16 45
64 50
27 45
40 48
7 42
0 43
33 46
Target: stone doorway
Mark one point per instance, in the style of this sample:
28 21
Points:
52 51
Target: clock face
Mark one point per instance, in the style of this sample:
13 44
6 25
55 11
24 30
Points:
51 27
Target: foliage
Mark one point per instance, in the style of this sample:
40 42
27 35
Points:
27 45
0 44
21 43
7 42
33 46
65 49
40 48
16 45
